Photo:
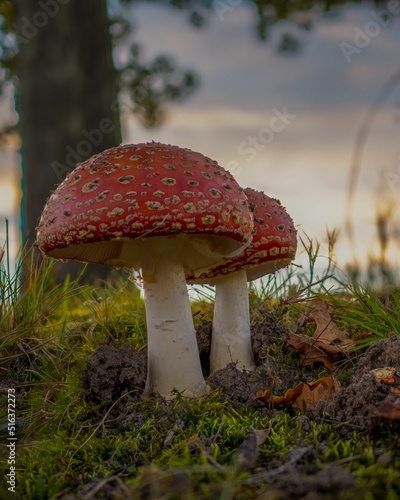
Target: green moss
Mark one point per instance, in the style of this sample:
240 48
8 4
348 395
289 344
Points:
184 446
84 448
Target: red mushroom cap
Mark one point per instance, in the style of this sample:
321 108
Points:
273 245
139 191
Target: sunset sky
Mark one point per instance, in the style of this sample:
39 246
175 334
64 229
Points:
284 124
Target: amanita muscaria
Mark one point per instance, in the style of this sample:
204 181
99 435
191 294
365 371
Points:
273 247
160 209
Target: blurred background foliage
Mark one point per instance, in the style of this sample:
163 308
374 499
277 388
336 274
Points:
58 58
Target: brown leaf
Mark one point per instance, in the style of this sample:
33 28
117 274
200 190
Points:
311 352
390 411
304 395
326 330
266 396
328 341
246 453
320 390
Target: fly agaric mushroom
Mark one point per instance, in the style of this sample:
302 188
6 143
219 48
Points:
164 210
273 247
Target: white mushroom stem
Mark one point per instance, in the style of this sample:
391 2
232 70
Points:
173 356
231 338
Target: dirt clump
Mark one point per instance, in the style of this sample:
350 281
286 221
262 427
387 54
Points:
356 403
267 333
278 368
383 353
271 356
113 372
233 382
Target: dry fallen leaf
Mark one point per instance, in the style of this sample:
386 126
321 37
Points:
320 390
311 352
304 395
326 330
246 453
290 396
328 341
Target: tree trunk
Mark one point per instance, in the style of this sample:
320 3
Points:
67 91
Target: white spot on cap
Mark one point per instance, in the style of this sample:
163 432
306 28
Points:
102 196
159 193
154 205
168 181
115 212
91 186
215 193
175 200
189 207
208 219
126 179
75 179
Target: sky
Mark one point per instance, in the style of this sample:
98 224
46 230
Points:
284 124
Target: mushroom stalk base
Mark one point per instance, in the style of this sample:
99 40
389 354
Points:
231 337
173 357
